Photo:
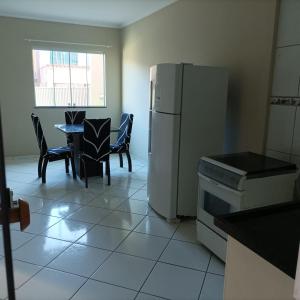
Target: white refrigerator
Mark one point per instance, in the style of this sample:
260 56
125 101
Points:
187 121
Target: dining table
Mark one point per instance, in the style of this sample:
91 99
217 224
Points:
76 130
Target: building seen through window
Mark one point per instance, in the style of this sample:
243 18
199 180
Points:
68 78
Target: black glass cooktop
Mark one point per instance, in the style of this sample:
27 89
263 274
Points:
255 164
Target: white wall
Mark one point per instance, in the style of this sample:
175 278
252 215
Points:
17 90
283 139
237 34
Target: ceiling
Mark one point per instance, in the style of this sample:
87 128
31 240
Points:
107 13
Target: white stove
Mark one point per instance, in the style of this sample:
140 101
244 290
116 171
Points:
234 182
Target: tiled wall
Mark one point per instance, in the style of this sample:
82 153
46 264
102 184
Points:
283 139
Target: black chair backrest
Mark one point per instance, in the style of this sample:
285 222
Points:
125 128
96 139
74 117
39 134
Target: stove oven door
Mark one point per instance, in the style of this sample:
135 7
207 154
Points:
215 199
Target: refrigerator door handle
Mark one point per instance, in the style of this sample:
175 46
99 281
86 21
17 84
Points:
149 135
151 94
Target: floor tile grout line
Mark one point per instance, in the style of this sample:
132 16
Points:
82 206
112 252
28 280
119 227
42 234
66 217
146 293
156 262
85 234
181 266
79 221
94 224
50 268
62 218
135 193
46 266
112 284
45 214
137 256
216 274
72 243
41 267
199 295
69 216
101 189
119 252
24 242
75 242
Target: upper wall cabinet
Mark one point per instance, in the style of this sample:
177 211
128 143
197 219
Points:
286 72
289 23
281 126
296 137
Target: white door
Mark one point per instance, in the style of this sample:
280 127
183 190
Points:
167 85
163 164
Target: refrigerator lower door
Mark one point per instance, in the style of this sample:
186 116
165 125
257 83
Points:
163 164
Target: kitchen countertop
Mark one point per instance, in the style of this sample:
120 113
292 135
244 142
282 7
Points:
272 232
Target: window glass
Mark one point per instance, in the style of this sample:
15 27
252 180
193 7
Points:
64 78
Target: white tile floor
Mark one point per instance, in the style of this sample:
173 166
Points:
102 242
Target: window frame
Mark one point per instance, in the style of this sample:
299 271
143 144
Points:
71 50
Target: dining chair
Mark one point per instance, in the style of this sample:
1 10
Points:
96 145
123 140
73 117
50 154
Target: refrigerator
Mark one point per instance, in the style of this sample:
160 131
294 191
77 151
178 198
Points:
186 121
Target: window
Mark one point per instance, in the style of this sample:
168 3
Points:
64 78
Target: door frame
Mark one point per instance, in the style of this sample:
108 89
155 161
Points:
5 211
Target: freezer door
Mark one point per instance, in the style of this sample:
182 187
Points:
163 164
167 83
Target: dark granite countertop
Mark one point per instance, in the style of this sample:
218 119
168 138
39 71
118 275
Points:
272 232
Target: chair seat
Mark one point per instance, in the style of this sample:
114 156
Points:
59 150
116 148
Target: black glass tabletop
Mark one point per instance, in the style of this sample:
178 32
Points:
76 128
